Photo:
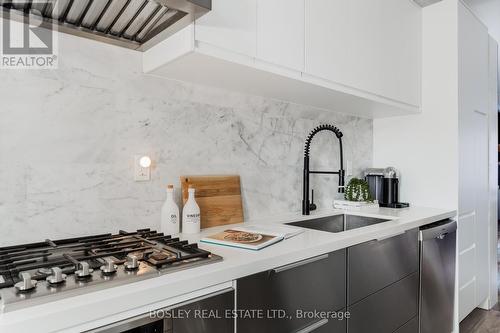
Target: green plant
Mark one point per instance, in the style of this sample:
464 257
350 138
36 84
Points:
357 190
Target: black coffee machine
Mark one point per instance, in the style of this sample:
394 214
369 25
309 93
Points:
384 187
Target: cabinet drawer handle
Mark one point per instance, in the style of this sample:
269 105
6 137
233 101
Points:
300 263
390 236
313 326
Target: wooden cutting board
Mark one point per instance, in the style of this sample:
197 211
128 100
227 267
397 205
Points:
219 198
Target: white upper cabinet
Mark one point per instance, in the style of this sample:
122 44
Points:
280 32
231 25
353 56
373 46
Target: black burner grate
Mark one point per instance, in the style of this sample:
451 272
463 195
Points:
37 258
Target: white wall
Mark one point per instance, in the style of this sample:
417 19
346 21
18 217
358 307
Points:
68 137
424 147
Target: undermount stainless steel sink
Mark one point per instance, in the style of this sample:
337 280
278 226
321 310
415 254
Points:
338 223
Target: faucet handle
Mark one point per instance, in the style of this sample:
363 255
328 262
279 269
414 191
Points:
312 205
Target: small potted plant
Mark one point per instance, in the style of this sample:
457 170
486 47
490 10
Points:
358 190
357 195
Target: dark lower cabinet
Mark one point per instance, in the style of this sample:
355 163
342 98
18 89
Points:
383 284
203 315
334 325
376 264
294 298
409 327
386 310
209 315
376 281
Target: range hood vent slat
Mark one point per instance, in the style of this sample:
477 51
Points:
136 24
127 17
66 11
78 23
110 15
59 8
117 17
162 23
149 26
94 14
134 17
141 20
76 11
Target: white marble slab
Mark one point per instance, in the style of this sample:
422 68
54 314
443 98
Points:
68 137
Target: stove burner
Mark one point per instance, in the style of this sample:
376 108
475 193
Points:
53 267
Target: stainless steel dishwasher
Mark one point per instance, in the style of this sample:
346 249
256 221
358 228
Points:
437 276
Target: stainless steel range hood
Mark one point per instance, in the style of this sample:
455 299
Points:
135 24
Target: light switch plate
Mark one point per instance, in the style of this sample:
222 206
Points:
141 174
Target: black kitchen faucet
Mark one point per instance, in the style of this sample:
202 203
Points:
306 205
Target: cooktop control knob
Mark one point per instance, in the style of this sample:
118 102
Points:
109 267
57 276
84 271
132 262
26 284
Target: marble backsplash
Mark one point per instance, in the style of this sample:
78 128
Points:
68 137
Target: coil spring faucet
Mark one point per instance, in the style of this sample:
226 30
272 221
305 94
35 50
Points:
306 205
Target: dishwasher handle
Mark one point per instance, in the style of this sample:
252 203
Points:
437 230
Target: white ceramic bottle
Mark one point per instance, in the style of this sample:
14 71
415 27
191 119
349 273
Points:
191 214
170 214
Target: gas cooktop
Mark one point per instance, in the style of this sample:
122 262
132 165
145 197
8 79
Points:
40 272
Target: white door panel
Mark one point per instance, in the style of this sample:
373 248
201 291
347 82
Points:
280 32
370 45
230 25
474 159
466 300
481 204
466 232
467 264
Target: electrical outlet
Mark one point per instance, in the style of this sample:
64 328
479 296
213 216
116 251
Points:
141 173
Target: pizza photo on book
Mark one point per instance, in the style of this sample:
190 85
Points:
252 237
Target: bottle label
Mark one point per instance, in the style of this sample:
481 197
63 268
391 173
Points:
194 216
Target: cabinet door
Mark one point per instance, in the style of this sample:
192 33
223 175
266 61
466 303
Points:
206 315
230 25
376 264
409 327
314 284
473 209
280 32
386 310
373 46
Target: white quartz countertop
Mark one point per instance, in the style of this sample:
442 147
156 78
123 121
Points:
85 312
